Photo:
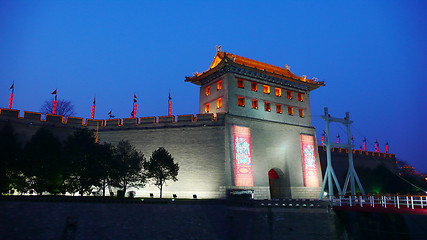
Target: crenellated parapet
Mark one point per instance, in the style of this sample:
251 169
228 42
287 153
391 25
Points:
38 119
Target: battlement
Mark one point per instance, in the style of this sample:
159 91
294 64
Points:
359 152
35 118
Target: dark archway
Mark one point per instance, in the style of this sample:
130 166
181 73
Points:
279 184
274 181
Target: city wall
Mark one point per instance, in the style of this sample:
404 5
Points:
83 218
196 143
135 219
365 159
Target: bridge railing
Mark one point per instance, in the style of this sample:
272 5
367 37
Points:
384 201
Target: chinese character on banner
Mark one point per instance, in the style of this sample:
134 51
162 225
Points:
243 174
309 161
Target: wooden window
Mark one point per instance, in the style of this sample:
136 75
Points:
266 89
279 108
207 107
241 101
240 83
300 97
219 103
208 90
219 85
301 112
291 111
289 94
278 92
254 86
254 104
267 106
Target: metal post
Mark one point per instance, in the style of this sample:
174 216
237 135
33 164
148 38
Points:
398 205
412 202
329 174
385 201
351 174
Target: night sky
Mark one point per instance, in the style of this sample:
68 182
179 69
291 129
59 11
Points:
372 56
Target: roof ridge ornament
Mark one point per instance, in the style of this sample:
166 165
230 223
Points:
288 67
219 48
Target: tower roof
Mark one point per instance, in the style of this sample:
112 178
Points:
223 59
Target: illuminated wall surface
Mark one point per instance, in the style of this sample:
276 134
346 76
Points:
243 174
309 161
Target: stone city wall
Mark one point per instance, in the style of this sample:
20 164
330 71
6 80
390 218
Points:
196 143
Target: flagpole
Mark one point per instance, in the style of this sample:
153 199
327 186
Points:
170 105
133 115
92 114
54 102
11 95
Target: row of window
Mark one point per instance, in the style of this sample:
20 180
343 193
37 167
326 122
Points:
254 88
266 89
218 87
218 105
267 106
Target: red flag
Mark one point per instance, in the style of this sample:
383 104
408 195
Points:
54 92
13 86
134 111
386 147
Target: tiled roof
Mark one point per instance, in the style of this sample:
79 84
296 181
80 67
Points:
268 69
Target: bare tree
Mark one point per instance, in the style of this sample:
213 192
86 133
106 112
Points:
63 107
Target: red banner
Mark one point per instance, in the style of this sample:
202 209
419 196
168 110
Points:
54 107
243 174
92 113
134 110
309 161
11 100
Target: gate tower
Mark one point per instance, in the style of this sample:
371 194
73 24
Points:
267 126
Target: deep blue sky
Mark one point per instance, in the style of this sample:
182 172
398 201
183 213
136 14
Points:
372 56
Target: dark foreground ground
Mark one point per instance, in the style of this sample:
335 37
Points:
52 218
